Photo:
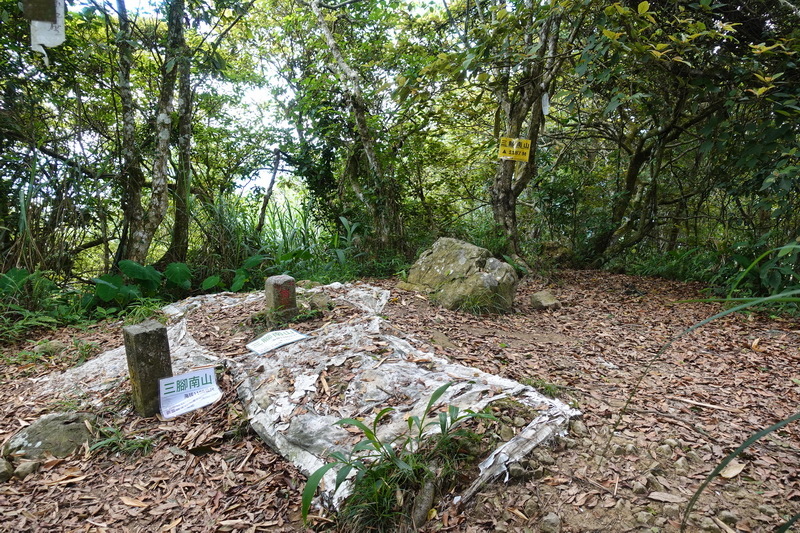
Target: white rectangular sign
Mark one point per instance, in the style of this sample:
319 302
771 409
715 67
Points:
185 393
275 339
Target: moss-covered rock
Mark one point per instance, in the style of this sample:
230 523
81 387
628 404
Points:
459 275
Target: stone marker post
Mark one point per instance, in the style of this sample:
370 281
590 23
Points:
280 296
147 350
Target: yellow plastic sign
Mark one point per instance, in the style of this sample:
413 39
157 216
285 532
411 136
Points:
514 149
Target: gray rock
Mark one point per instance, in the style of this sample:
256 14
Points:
318 301
459 275
728 517
639 488
58 434
671 443
531 507
692 456
682 466
6 470
544 300
517 471
671 510
569 443
544 457
665 450
550 523
707 524
49 347
506 433
578 428
26 468
653 483
644 518
768 510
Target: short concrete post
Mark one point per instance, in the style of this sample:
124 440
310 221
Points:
280 296
147 350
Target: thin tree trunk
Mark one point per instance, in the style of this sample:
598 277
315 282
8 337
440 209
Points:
143 229
385 202
131 173
179 245
262 214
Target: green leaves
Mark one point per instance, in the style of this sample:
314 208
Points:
179 275
147 277
383 465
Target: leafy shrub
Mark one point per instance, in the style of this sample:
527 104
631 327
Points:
30 300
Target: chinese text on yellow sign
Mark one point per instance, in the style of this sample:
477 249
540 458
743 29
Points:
514 149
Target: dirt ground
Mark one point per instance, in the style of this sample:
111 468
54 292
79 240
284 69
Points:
615 471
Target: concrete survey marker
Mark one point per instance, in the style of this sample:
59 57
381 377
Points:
295 394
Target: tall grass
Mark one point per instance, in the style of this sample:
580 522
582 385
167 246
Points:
293 241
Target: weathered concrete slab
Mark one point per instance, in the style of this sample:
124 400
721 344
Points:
294 394
110 368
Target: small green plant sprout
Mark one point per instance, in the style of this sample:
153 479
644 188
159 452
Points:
385 471
84 350
551 390
114 440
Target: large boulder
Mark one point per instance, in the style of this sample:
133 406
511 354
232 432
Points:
459 275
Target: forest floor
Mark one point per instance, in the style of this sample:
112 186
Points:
614 472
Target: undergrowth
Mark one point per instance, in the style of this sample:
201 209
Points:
396 482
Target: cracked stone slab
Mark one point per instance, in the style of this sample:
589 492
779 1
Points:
294 394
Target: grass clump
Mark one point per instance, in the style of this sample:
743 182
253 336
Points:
114 440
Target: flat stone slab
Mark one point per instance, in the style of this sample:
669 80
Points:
293 395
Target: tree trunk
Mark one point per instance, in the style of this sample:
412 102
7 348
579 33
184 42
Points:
262 215
179 245
517 105
143 229
131 173
384 199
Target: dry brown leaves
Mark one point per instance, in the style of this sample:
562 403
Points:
706 394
